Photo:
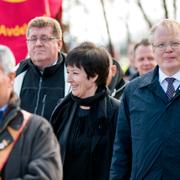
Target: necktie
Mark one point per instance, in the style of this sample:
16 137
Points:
170 88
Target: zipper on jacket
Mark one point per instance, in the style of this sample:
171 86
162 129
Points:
38 95
43 104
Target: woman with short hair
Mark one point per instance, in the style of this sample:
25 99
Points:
85 121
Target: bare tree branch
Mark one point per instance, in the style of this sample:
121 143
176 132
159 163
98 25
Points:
175 9
166 15
144 14
129 38
111 50
77 2
82 4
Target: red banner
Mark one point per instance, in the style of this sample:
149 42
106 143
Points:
14 16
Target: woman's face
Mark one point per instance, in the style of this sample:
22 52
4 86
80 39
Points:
81 86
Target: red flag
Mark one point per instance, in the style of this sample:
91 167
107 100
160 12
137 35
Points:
14 16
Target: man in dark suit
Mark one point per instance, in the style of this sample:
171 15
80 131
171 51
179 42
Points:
147 141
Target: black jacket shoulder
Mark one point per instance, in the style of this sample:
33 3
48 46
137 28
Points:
23 66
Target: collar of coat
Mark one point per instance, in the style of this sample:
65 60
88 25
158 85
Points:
13 111
150 80
25 64
12 118
65 108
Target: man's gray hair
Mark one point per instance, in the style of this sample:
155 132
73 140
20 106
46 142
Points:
42 22
169 24
7 59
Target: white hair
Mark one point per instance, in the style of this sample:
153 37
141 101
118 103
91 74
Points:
169 24
7 59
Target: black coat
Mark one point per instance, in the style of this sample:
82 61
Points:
147 142
36 153
117 84
62 120
41 91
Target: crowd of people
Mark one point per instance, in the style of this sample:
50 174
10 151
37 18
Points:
77 116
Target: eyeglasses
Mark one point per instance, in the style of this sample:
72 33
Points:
43 39
163 46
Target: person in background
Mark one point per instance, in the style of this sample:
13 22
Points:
85 121
28 146
131 70
41 79
147 141
116 83
144 59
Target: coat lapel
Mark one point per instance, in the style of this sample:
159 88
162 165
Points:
151 81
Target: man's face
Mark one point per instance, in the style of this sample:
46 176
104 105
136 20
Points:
43 47
144 59
167 49
6 83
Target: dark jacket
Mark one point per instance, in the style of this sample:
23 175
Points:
147 142
135 75
36 153
104 118
41 91
117 84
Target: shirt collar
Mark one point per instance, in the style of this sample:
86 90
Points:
55 62
162 76
2 110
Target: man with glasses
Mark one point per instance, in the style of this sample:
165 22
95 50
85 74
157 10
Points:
147 142
41 80
28 146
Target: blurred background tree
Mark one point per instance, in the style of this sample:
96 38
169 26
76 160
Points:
107 15
110 23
